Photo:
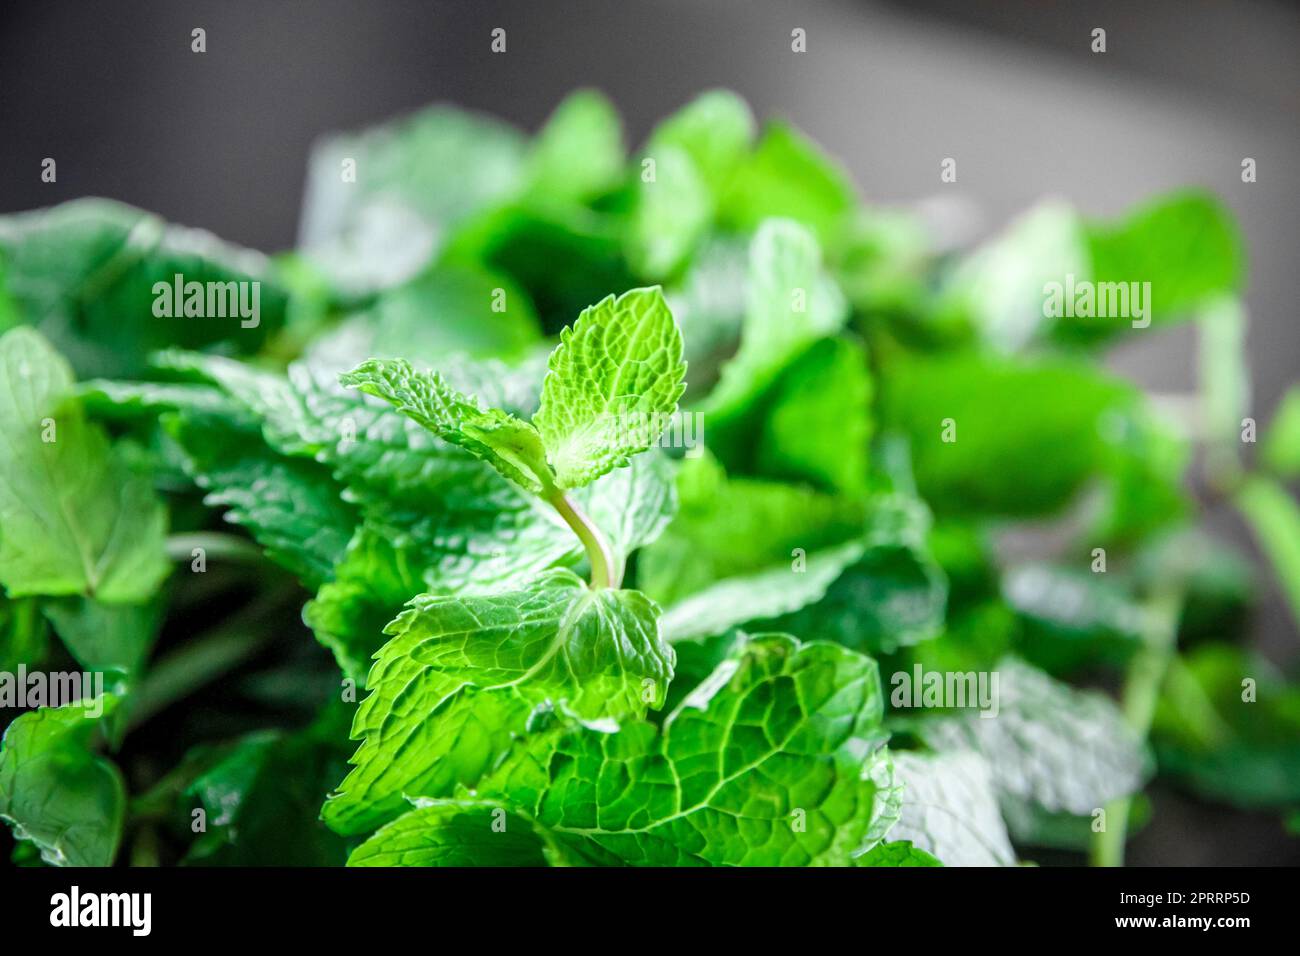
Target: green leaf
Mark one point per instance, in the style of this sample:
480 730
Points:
293 508
790 305
1049 745
444 311
734 527
1279 451
453 833
84 273
897 853
671 213
1012 412
55 792
579 153
23 639
818 426
104 637
715 131
1274 518
764 594
1072 618
414 179
74 517
511 446
950 809
262 800
999 290
777 759
1228 727
460 676
613 383
788 175
892 595
1185 244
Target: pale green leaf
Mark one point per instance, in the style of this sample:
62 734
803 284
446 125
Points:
613 384
74 516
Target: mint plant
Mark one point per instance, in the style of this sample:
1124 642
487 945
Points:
571 505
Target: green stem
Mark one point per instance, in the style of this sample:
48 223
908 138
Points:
1146 675
180 547
605 573
204 659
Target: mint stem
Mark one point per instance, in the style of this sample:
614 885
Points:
1146 675
180 547
604 571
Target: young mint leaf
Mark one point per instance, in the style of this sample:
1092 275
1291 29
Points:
459 677
511 446
613 383
55 792
950 809
75 518
776 759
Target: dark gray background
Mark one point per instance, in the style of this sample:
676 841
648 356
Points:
1186 89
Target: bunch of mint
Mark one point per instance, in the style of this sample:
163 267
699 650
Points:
645 508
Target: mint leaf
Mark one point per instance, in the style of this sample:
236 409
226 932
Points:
106 637
511 446
1005 411
1227 727
789 306
74 516
731 527
775 759
262 798
84 273
453 833
788 175
817 427
578 153
415 178
897 853
459 677
950 809
764 594
614 380
55 792
1049 745
714 130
